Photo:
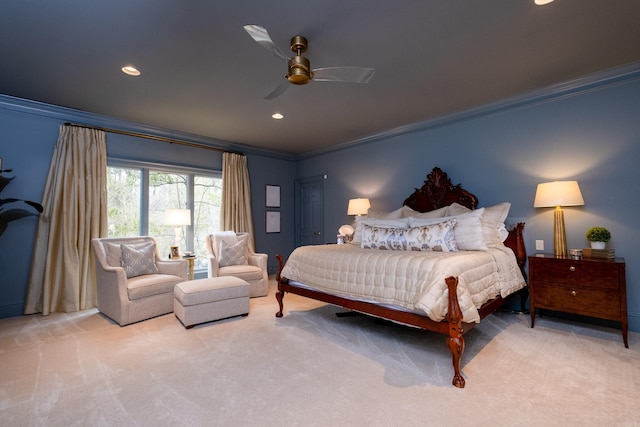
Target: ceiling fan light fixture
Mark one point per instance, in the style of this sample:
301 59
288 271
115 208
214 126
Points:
299 70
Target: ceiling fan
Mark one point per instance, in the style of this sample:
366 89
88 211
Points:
299 70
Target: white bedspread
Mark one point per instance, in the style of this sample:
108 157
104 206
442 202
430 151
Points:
411 280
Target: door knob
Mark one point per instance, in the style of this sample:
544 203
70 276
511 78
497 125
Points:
316 233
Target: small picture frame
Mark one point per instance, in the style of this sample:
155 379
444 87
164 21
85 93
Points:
272 222
175 252
272 196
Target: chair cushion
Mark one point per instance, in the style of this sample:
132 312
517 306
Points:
138 261
245 272
151 284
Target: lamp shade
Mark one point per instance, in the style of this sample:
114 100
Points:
558 193
177 217
358 206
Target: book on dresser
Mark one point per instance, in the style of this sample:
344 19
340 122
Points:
599 253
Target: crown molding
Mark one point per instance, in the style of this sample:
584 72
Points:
570 88
65 114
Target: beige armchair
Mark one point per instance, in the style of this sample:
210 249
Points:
139 297
252 268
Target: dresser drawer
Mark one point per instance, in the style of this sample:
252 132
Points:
578 300
569 272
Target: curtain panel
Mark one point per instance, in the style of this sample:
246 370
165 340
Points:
62 276
236 196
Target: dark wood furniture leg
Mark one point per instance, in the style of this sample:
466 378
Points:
455 342
279 293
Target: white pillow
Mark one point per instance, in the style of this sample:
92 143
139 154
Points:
493 227
436 213
357 235
467 230
397 214
457 209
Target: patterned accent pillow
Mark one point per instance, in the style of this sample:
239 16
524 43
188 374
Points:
232 254
434 237
138 261
376 237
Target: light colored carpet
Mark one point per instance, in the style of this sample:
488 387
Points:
311 368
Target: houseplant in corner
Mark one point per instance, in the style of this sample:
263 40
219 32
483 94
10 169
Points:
8 215
598 236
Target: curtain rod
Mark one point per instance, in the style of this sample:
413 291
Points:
155 138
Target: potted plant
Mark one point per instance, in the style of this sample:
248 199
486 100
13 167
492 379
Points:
598 236
8 215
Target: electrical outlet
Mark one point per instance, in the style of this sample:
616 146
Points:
539 245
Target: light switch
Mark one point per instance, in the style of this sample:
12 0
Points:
539 245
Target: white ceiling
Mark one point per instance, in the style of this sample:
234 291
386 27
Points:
203 74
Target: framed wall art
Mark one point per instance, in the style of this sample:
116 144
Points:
272 224
272 196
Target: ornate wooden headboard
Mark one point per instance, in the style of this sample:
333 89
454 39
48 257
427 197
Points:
438 192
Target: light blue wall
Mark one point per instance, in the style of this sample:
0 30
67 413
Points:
28 134
592 136
500 154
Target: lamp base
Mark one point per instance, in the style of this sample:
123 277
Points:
559 234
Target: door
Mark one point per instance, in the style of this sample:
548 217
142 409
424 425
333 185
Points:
309 200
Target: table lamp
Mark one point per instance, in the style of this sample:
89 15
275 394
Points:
558 194
178 218
358 207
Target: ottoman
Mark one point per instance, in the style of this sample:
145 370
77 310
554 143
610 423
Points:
205 300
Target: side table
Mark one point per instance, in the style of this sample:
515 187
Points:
585 286
191 267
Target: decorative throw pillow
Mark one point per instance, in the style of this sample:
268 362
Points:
138 261
391 238
435 237
360 221
232 254
114 253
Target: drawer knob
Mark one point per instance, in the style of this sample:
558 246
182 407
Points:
574 293
572 268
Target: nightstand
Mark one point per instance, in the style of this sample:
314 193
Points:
586 286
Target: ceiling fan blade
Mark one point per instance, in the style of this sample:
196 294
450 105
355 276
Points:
279 90
344 74
260 35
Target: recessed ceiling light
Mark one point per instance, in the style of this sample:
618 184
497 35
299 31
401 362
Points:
277 116
132 71
542 2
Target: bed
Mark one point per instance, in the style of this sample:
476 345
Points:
425 265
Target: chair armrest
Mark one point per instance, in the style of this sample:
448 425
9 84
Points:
259 260
111 287
176 267
214 267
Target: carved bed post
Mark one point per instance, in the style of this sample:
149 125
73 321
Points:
456 338
279 293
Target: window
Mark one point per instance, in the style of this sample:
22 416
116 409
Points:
138 195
